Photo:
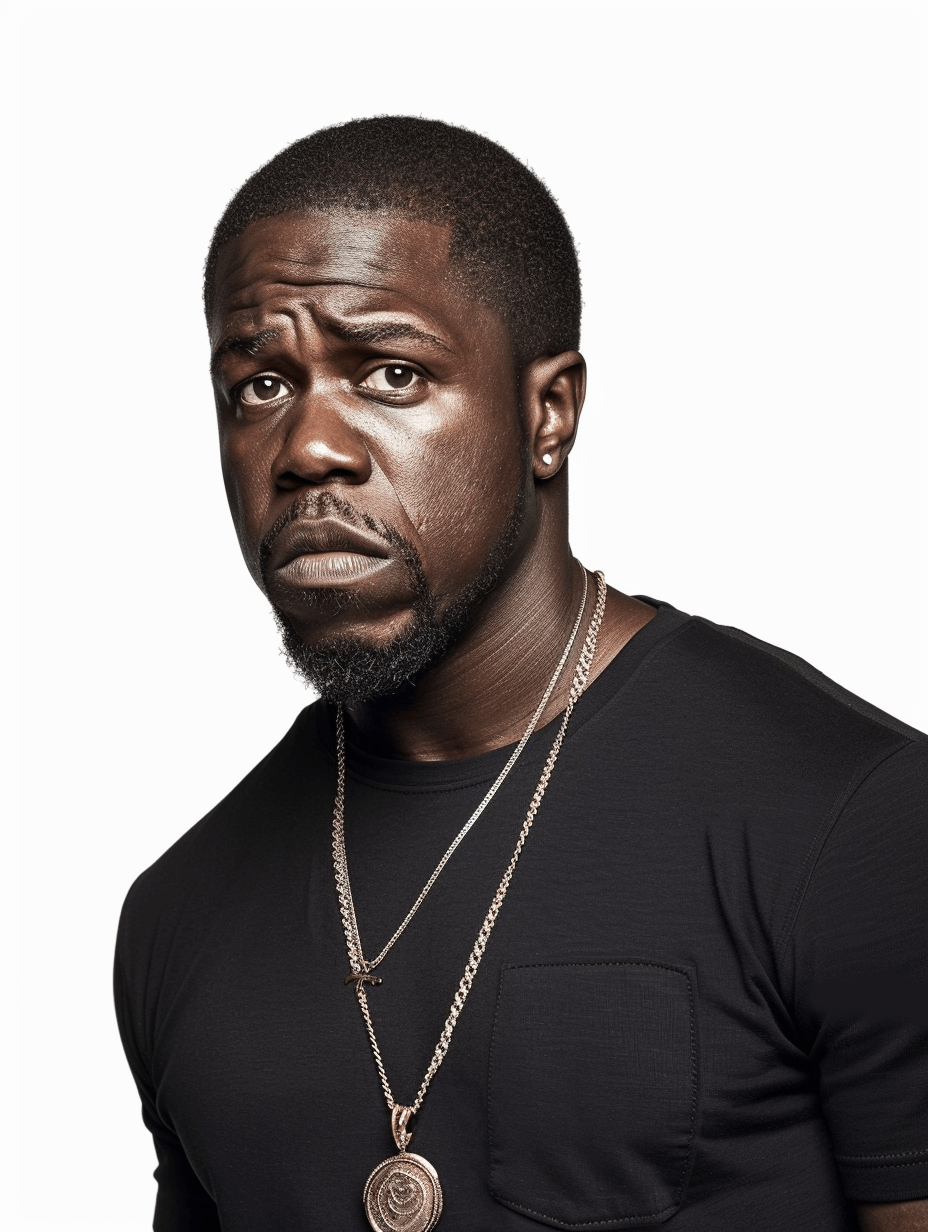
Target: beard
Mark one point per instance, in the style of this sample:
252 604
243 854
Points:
346 668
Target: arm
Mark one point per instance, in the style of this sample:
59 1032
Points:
894 1217
182 1204
860 951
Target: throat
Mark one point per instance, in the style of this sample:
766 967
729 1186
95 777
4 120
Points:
480 696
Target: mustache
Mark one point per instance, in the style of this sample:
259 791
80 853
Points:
311 505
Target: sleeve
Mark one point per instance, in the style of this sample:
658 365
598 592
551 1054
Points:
182 1204
860 962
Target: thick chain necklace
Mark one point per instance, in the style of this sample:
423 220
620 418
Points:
403 1193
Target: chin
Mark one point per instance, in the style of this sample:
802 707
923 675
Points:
355 664
337 618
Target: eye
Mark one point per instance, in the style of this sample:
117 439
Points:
261 389
392 376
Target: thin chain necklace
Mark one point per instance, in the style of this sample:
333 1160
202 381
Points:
403 1193
361 968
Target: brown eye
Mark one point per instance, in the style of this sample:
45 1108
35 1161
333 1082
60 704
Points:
392 376
397 376
261 389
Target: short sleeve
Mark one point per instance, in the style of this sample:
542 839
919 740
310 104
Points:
859 951
182 1204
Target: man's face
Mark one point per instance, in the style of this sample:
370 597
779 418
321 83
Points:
369 425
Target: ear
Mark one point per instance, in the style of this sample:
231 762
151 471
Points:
553 389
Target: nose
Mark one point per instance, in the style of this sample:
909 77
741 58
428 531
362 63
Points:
320 445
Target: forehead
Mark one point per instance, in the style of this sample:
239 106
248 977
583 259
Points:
396 261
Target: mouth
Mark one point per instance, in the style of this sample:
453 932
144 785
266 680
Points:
325 552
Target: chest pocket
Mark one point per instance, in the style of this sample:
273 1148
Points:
593 1092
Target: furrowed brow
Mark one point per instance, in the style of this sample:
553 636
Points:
242 344
375 332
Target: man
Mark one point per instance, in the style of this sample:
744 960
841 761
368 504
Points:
672 970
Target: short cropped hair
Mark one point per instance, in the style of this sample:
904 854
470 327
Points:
509 240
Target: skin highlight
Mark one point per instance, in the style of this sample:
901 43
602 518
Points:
324 304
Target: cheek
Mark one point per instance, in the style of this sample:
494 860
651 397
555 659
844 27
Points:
462 492
244 474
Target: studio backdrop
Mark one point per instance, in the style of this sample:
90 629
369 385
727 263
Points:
743 183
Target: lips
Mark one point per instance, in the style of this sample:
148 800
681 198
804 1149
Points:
324 552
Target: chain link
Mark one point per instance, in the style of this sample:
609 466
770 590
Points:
346 903
338 841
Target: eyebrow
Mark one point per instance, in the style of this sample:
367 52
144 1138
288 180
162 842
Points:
371 334
242 344
384 331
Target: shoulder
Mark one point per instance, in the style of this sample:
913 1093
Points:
776 764
844 781
811 804
197 868
871 867
790 675
773 706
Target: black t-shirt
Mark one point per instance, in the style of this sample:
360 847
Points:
703 1001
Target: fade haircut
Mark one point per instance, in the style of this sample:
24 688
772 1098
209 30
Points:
510 243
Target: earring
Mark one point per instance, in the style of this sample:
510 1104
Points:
547 459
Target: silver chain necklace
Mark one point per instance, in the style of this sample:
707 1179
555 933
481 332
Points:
360 967
403 1193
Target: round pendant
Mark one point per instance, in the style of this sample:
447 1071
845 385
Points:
403 1195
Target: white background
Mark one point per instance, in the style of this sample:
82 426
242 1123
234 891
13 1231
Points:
743 183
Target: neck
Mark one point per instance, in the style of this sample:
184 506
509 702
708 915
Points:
482 693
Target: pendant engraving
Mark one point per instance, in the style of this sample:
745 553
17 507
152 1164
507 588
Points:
403 1195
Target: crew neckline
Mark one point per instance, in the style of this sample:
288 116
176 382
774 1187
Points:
400 773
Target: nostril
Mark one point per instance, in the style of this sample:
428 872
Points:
288 481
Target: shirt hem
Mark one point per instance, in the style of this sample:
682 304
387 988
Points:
890 1179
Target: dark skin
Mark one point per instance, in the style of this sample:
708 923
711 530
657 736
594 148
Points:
349 361
439 459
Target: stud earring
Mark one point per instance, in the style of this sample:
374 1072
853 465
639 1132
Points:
547 459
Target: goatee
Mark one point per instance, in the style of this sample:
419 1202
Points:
348 669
